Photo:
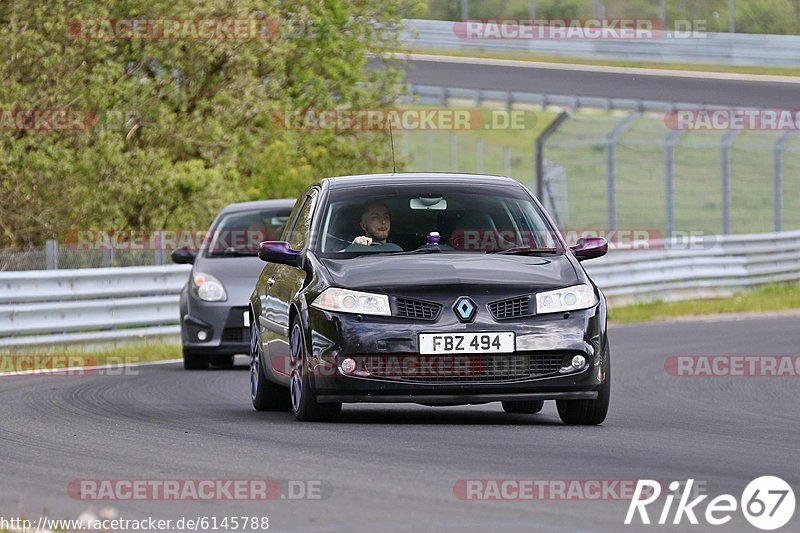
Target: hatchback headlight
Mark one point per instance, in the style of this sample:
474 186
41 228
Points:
209 288
347 301
567 299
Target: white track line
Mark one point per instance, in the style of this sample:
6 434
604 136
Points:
79 368
631 71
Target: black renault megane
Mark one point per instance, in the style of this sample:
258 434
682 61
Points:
438 289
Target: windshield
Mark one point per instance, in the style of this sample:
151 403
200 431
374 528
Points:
239 233
453 218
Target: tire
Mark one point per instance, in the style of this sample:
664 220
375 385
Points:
265 395
304 402
194 361
588 412
530 407
222 361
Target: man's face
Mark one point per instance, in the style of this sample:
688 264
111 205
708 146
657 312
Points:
376 222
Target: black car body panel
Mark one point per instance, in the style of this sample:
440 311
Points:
284 292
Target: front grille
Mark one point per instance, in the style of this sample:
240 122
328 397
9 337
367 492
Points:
511 308
236 335
467 368
417 309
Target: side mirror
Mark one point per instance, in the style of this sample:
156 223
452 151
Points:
277 252
590 248
183 256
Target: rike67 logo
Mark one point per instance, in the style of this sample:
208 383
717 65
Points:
767 503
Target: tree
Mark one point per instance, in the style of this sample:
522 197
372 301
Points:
180 127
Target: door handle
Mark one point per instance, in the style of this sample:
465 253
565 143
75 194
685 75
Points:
271 281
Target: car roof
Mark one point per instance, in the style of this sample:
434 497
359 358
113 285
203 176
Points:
259 204
362 180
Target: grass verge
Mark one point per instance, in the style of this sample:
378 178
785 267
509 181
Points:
778 297
74 356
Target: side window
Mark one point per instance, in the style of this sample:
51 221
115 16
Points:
287 229
299 232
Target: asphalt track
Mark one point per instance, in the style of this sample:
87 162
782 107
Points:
393 467
577 80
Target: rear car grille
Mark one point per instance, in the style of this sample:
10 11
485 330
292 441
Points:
236 335
417 309
466 368
511 308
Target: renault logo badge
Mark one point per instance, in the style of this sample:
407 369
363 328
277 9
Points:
465 309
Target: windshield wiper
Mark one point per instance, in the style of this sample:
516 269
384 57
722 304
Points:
526 249
426 250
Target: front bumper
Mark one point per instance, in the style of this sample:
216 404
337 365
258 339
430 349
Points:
224 326
337 336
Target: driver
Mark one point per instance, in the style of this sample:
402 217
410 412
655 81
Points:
376 223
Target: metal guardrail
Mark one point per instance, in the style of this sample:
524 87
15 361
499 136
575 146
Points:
443 96
735 49
39 307
107 304
698 268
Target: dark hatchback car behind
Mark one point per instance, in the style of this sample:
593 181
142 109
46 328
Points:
215 323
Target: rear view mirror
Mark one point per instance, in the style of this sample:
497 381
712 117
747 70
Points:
435 203
277 252
183 256
590 248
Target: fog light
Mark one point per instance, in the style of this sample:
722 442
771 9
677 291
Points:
202 335
579 362
348 365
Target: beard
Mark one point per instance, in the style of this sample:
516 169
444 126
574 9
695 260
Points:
380 235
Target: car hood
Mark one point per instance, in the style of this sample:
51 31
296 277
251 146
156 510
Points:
436 272
237 274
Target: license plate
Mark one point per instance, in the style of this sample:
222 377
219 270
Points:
495 342
246 319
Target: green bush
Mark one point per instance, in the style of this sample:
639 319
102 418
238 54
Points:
184 126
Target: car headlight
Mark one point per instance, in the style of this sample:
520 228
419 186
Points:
347 301
209 288
567 299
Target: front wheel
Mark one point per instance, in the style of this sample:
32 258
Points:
588 412
304 402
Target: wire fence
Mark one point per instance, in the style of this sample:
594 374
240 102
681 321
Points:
626 170
54 256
